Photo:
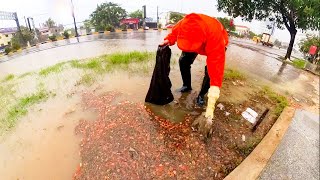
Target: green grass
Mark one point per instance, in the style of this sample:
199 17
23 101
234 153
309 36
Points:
299 63
281 101
231 74
128 57
21 107
248 146
9 77
86 79
107 63
52 69
6 95
25 74
93 64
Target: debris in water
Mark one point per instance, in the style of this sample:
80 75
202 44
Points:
128 141
227 113
220 106
71 110
60 127
260 119
250 115
296 99
243 138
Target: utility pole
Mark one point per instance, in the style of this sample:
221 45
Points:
74 21
25 21
29 26
157 17
144 14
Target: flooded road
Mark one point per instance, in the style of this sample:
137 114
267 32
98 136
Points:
259 61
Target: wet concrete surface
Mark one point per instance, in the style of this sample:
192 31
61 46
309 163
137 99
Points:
297 156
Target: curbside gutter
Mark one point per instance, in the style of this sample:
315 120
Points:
253 165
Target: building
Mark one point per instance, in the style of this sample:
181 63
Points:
242 30
55 30
6 35
132 23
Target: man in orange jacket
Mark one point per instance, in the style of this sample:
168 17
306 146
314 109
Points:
200 34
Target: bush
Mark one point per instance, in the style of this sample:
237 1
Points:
110 28
16 46
310 40
66 34
299 63
7 50
123 27
53 38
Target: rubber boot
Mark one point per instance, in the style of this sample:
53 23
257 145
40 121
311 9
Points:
185 61
204 88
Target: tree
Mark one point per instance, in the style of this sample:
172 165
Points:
277 43
175 17
251 34
87 25
310 40
226 23
292 14
23 37
50 23
136 14
66 34
107 14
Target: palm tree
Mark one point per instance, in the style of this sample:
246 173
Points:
50 23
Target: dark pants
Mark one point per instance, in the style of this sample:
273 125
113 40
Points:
185 61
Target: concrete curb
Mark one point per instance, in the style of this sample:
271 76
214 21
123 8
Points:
253 165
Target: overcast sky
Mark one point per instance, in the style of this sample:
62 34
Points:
60 11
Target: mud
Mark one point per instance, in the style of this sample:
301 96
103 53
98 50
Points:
130 140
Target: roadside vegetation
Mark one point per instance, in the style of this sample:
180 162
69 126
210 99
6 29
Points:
14 105
299 63
280 101
8 78
52 69
232 74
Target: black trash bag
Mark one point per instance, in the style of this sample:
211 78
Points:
160 86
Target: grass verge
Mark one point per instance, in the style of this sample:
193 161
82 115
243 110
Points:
52 69
231 74
93 64
299 63
281 101
9 77
86 79
20 108
129 57
248 147
25 75
107 63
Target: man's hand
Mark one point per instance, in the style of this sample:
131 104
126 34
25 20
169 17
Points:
213 95
165 42
205 121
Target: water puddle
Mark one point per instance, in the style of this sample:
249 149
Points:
43 145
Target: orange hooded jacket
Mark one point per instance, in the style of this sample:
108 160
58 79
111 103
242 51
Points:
204 35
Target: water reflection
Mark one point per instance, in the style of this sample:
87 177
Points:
283 65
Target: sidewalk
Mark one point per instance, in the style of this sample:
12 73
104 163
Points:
297 156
